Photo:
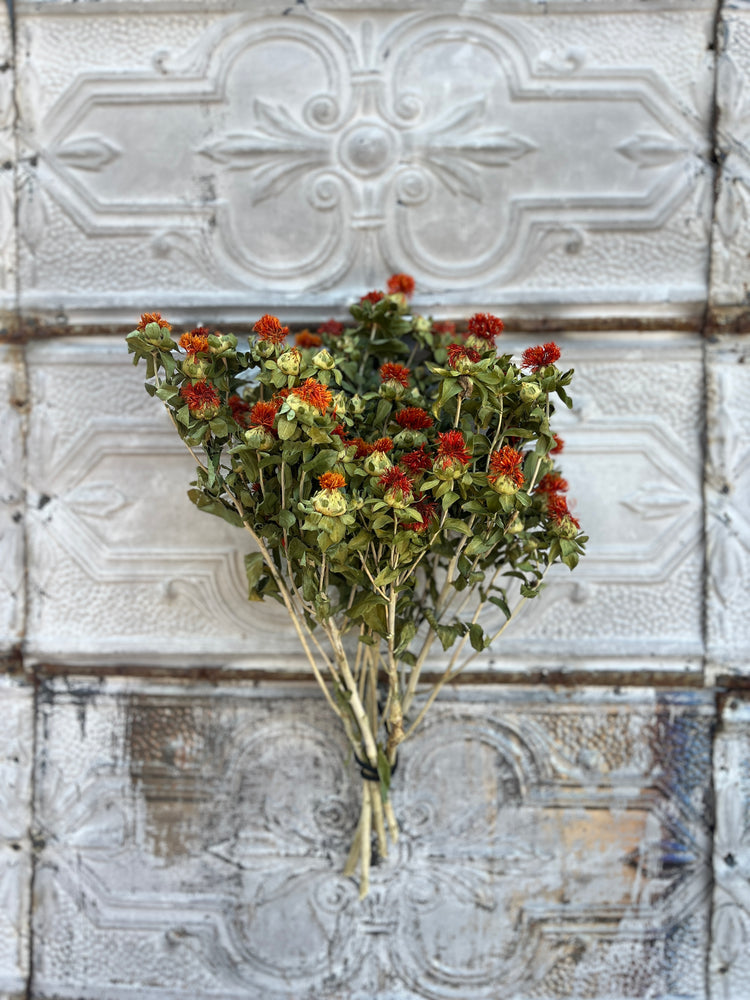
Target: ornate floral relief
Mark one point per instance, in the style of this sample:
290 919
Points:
509 871
363 155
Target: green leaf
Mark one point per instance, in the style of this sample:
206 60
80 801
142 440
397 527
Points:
254 570
500 603
457 525
183 415
212 505
286 429
286 519
476 637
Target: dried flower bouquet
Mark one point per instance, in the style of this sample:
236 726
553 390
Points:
396 476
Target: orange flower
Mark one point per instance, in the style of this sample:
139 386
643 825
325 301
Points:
147 318
413 418
311 391
331 481
403 283
485 326
396 479
444 326
269 328
395 373
428 510
452 445
458 351
535 358
559 445
263 414
372 297
202 399
557 508
363 448
307 339
552 483
417 461
240 410
384 444
195 342
506 462
332 327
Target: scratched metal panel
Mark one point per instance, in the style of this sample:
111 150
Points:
728 505
210 159
16 752
551 846
123 566
12 425
730 267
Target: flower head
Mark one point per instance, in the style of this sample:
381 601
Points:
458 353
331 481
564 523
391 372
444 326
240 410
535 358
403 283
372 297
451 445
313 392
417 461
398 487
332 327
363 448
383 445
559 445
413 418
552 483
306 339
505 475
263 414
147 318
195 342
339 431
428 511
202 399
485 326
269 328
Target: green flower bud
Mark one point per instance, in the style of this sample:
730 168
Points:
396 498
503 485
289 361
357 404
324 359
422 324
259 438
377 463
564 528
392 390
409 439
447 468
399 300
530 391
263 348
332 503
194 368
222 343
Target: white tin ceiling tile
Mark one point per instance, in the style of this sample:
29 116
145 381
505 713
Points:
7 170
122 566
633 460
730 932
728 503
16 743
187 159
730 267
12 429
120 561
551 846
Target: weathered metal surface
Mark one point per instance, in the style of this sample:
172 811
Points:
552 846
730 956
138 571
210 158
12 459
728 505
730 270
16 756
8 297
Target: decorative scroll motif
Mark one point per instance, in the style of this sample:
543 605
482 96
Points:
510 874
345 177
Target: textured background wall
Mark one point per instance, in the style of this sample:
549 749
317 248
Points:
173 815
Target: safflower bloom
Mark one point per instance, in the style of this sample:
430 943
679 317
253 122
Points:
485 326
403 283
536 358
202 399
313 392
391 372
413 418
147 318
269 328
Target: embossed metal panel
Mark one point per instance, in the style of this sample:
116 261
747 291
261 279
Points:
552 846
144 572
208 159
12 556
